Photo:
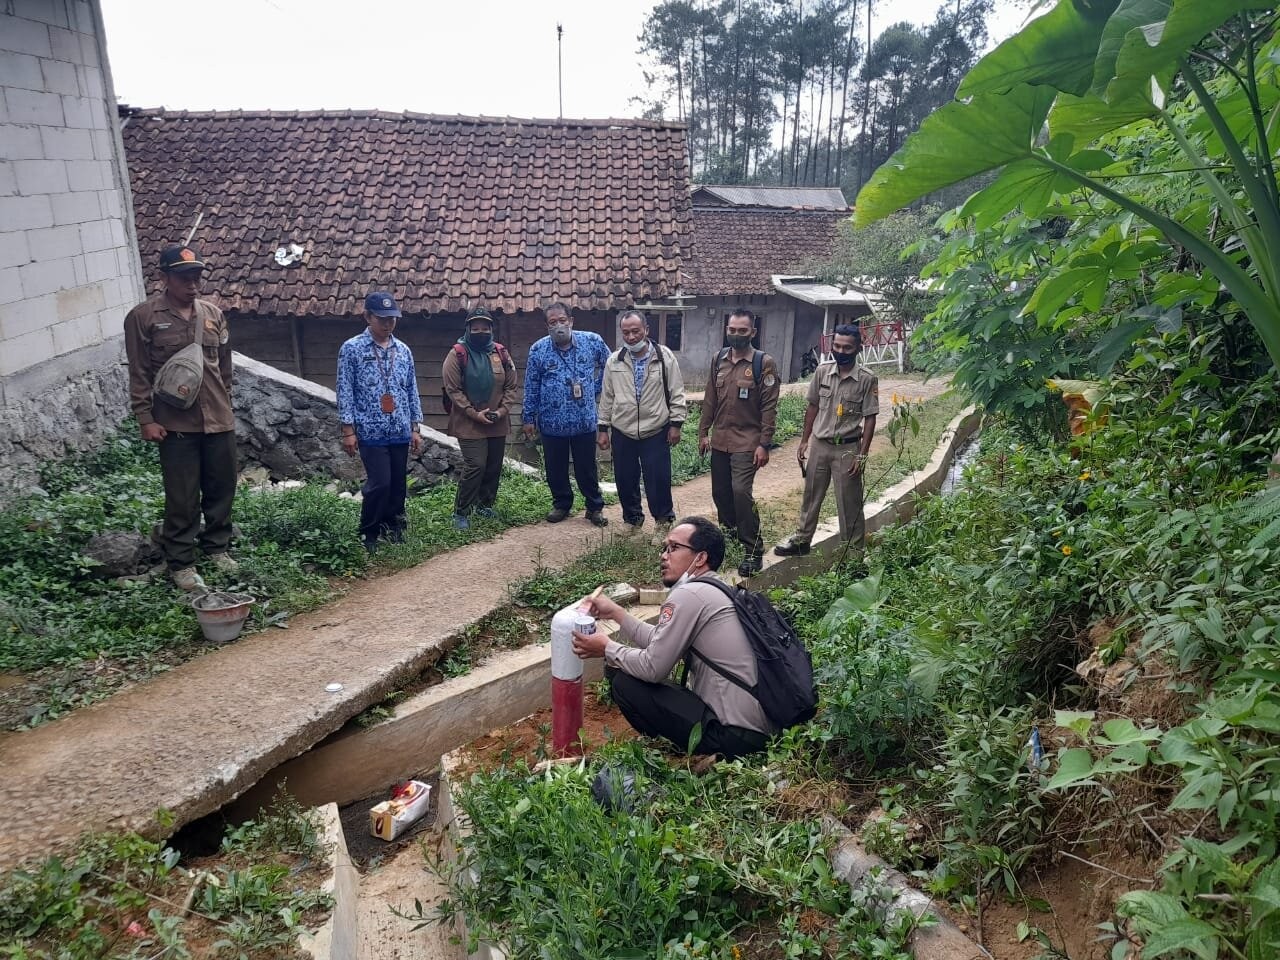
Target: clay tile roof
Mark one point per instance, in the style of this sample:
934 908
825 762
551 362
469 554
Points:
442 211
737 249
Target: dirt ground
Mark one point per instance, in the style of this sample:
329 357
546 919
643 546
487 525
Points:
530 739
1080 896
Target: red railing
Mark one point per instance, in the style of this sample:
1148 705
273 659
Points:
873 335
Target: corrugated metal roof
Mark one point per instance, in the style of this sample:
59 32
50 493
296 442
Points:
819 294
812 198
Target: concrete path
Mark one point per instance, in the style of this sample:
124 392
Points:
191 740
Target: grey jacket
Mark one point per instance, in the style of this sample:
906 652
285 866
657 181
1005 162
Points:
642 418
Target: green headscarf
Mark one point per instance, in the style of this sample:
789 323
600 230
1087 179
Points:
478 382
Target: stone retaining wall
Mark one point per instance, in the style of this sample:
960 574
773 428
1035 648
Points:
63 407
289 427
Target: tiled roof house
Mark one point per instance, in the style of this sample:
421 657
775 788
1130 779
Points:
740 248
743 237
301 213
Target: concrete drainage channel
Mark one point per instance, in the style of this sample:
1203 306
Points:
425 730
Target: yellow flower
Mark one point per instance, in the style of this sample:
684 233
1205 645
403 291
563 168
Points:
895 399
737 953
1066 550
1051 384
1085 476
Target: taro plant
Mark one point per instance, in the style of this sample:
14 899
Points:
1194 77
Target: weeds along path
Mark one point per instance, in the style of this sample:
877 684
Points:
190 740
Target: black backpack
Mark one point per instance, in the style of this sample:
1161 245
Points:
784 670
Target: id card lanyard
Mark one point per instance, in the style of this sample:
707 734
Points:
575 386
388 400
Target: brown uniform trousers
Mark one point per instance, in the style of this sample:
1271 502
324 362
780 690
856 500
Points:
483 445
740 415
844 403
198 457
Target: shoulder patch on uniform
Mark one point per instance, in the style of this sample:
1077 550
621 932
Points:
770 379
666 613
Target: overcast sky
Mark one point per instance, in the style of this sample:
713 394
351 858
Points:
476 57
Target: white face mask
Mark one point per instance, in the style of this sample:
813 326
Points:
638 348
683 578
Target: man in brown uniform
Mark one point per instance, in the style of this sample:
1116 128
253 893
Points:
697 621
198 444
480 382
844 401
739 411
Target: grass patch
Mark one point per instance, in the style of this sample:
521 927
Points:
913 448
123 895
75 638
683 866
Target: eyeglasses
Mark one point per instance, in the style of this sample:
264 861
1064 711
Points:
668 547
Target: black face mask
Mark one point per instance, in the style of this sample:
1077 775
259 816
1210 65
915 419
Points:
844 359
739 341
479 341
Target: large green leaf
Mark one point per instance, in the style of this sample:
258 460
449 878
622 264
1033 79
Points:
1028 184
954 143
1237 114
1144 38
1056 289
1156 909
1075 766
1057 50
1116 342
1191 936
1089 117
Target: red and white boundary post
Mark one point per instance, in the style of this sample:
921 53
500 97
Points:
566 681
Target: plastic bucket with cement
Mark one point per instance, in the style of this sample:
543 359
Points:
222 615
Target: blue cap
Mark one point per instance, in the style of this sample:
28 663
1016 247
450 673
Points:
381 304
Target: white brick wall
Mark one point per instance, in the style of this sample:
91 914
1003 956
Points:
68 272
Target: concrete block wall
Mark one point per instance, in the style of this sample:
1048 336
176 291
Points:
704 332
69 267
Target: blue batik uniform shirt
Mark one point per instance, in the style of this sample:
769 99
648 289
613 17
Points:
640 364
362 380
549 377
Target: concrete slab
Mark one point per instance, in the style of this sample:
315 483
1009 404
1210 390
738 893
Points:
356 763
455 826
396 883
338 937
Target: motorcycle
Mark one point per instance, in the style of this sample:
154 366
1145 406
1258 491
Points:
809 362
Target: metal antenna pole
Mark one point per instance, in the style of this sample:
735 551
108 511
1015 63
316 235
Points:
560 65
